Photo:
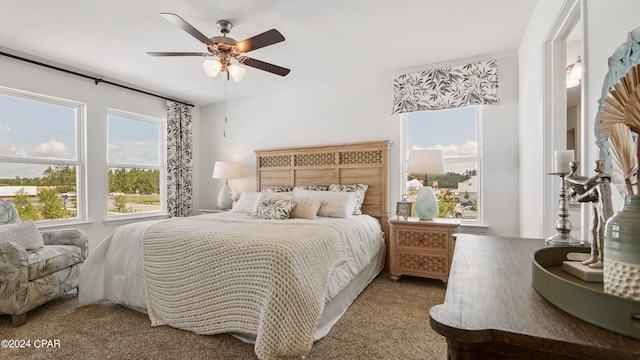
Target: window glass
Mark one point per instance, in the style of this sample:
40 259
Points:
136 164
40 158
455 132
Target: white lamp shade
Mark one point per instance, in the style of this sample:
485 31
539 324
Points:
425 162
226 170
237 72
212 67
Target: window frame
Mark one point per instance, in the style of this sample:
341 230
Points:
162 152
80 158
404 156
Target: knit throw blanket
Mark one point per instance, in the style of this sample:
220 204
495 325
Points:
212 276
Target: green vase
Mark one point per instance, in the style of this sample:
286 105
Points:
622 251
426 206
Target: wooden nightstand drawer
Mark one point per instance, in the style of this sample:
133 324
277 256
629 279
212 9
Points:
427 240
419 264
421 248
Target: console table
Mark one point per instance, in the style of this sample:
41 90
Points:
491 310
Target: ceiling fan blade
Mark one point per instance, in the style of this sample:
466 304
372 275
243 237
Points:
152 53
267 38
180 22
274 69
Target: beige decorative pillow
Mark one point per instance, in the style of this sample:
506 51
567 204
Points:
24 233
306 207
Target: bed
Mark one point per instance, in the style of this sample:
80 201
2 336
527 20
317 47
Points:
278 283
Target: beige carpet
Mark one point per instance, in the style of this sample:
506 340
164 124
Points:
387 321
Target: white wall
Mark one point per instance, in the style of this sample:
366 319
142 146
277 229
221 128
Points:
359 111
20 75
607 24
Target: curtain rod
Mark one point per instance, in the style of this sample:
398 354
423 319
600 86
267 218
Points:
95 79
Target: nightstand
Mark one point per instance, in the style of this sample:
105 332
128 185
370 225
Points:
421 247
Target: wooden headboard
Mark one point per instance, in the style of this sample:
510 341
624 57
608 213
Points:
357 163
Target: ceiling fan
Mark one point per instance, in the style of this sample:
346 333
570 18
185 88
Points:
225 48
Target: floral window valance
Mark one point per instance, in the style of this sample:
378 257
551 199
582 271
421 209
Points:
445 88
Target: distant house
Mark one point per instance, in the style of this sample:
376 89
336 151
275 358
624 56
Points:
414 185
470 187
11 191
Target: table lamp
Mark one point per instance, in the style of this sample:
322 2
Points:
226 170
425 162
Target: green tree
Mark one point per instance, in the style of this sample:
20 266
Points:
120 203
52 205
26 210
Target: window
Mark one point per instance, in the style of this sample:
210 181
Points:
41 158
136 163
455 132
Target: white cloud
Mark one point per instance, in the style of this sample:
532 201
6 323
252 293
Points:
114 152
12 150
467 149
52 148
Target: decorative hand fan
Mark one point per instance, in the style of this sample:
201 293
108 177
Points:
625 160
619 116
622 104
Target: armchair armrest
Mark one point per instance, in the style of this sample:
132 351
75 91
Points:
67 237
14 275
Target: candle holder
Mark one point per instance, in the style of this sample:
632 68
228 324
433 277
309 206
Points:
563 224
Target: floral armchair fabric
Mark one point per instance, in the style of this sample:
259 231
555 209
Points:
35 266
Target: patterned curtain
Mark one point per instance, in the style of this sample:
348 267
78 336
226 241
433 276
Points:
179 159
445 88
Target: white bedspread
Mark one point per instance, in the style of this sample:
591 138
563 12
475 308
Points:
114 271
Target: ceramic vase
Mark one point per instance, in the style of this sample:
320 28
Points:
426 206
622 251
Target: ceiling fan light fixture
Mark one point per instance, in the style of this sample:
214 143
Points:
576 69
237 72
212 67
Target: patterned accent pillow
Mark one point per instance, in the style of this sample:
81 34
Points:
311 187
24 233
278 189
273 209
8 212
359 189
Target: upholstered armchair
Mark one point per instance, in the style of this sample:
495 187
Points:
35 266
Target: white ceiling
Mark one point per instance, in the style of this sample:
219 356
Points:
327 41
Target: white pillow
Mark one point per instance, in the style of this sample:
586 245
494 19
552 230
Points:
359 189
24 233
246 203
334 204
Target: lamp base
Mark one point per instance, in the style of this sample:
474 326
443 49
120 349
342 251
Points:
224 197
426 206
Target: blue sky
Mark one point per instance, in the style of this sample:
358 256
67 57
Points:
37 129
453 131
